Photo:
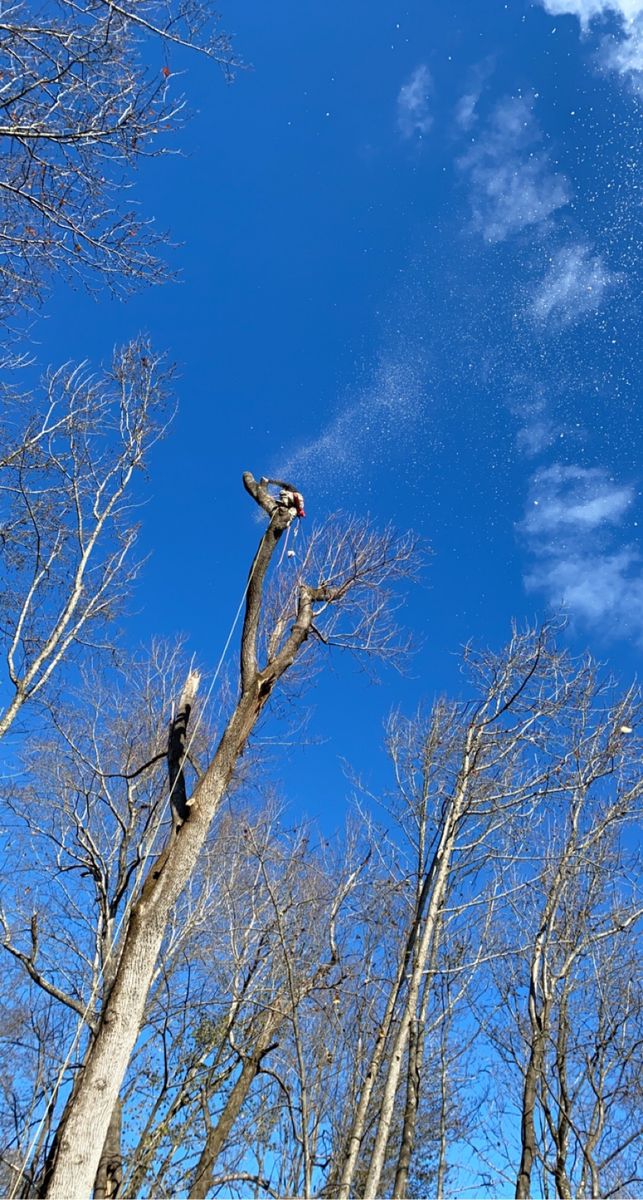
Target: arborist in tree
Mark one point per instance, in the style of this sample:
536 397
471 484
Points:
289 497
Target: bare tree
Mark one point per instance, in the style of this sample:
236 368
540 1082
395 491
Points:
35 1032
66 489
462 775
293 998
475 778
81 817
344 604
301 971
86 91
564 1026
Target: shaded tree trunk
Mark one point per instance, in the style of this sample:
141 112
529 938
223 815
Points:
218 1135
410 1111
110 1169
527 1118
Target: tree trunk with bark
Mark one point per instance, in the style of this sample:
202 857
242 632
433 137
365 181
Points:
437 882
527 1121
88 1121
353 568
410 1111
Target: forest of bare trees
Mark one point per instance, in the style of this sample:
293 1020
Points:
205 994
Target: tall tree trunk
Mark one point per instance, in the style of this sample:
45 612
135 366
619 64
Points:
414 1079
218 1135
444 1099
362 563
438 876
563 1186
359 1120
527 1121
432 887
88 1120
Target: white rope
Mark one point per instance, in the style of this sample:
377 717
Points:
281 558
83 1017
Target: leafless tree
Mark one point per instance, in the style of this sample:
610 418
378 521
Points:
567 1026
298 1009
256 977
35 1031
80 816
462 775
345 603
475 778
67 478
86 91
293 989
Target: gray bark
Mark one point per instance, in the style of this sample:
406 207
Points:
527 1124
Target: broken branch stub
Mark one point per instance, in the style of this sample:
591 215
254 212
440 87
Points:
177 748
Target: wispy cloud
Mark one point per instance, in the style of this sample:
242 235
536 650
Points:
465 110
512 183
529 401
574 500
603 590
624 54
574 285
572 525
414 117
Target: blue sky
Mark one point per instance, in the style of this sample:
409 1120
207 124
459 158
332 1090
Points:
408 243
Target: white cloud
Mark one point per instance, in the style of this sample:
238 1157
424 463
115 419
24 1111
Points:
574 500
603 590
574 514
512 184
588 10
624 54
574 285
414 118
